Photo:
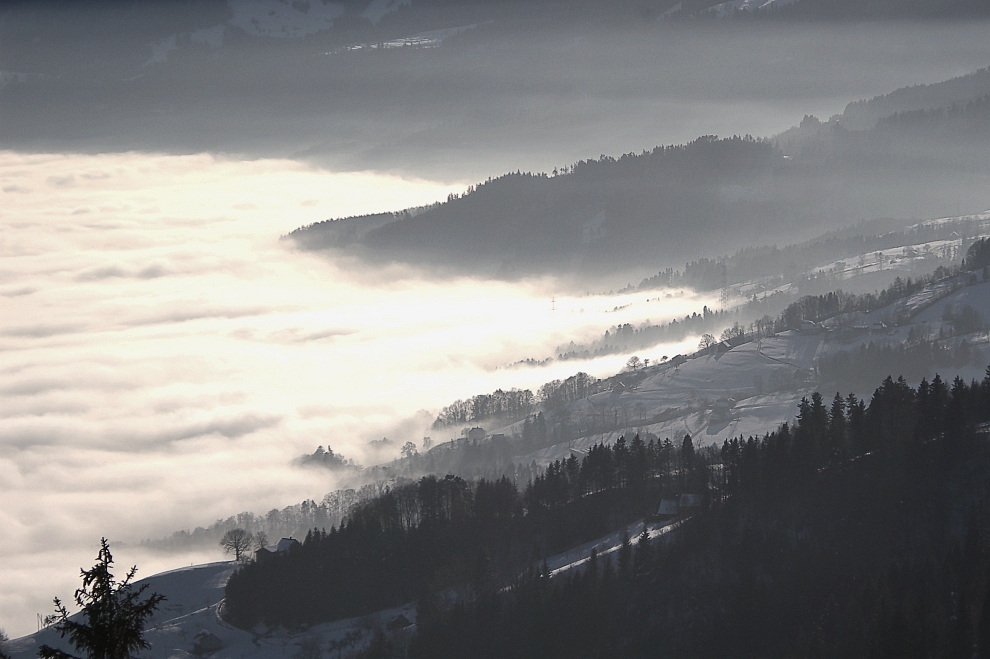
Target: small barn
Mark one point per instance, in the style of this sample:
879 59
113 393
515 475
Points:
722 410
398 622
677 507
206 643
283 545
668 509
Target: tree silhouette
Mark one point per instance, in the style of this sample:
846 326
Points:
237 541
113 615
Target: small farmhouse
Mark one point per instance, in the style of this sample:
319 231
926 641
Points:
284 545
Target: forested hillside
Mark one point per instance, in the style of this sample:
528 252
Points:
612 215
858 532
595 214
427 537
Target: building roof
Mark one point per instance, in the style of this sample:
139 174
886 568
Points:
285 544
667 507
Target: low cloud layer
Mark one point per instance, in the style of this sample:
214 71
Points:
165 357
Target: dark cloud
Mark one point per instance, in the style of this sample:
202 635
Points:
33 437
32 387
16 188
231 428
296 336
152 272
106 272
17 292
40 331
325 334
61 181
115 272
182 316
136 441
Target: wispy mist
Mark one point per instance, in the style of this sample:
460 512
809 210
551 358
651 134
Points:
164 356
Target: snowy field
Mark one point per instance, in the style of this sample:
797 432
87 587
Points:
764 379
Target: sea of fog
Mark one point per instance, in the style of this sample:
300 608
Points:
164 356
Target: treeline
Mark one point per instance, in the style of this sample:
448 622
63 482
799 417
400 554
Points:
437 534
701 275
522 222
489 458
780 265
970 119
626 337
861 531
326 459
816 308
708 274
516 404
508 405
557 394
292 520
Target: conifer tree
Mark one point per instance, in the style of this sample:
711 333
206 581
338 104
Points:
113 615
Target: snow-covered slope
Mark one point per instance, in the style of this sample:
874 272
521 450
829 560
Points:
728 8
193 597
752 388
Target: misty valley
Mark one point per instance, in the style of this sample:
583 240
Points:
454 328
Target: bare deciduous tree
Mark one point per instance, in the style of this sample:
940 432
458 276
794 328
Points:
237 541
707 341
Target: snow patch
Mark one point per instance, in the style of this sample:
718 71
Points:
430 39
607 545
192 610
729 8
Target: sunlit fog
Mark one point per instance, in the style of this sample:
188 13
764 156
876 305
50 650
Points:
165 356
434 328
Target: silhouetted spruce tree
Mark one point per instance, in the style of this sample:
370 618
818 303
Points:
113 615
